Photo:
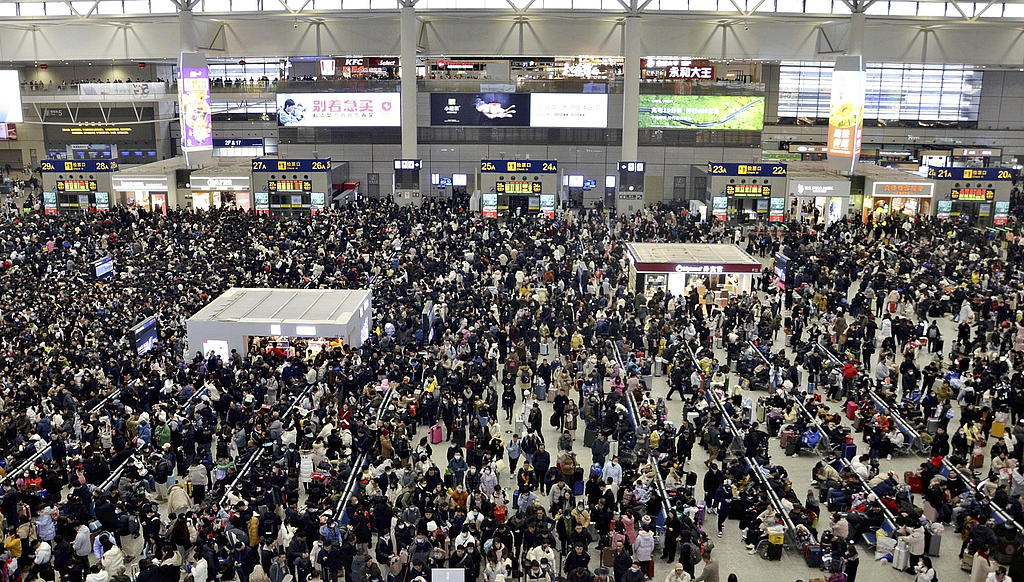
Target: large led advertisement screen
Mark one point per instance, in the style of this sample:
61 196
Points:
195 110
519 109
846 113
569 110
480 109
339 109
701 112
10 98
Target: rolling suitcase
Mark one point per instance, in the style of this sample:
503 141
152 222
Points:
933 425
977 460
849 451
934 545
900 557
774 552
791 447
520 425
577 487
812 555
851 409
784 438
545 348
701 510
589 436
552 393
436 435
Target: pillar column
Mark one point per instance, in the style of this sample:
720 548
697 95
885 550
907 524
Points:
407 61
187 29
855 46
631 88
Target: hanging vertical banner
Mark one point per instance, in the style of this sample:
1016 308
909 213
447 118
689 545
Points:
846 113
194 106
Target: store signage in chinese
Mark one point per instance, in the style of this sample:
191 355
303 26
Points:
903 189
710 269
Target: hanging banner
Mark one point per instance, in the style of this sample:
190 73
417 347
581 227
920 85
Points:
194 104
846 113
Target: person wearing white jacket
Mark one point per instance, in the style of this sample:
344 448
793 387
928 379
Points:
200 570
643 547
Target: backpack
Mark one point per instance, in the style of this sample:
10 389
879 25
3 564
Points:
692 554
529 445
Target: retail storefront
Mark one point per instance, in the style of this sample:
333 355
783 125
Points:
150 186
225 185
981 195
817 196
682 269
889 192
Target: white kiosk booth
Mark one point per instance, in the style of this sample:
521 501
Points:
282 319
726 270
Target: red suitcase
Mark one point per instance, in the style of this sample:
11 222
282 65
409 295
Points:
851 409
435 434
914 480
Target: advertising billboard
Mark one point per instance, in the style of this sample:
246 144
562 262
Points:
480 109
10 98
195 110
846 113
339 109
568 110
1002 213
701 112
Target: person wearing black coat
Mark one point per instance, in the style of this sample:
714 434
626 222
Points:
577 558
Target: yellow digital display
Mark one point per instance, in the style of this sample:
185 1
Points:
748 190
518 187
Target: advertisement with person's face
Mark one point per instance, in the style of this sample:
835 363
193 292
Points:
480 109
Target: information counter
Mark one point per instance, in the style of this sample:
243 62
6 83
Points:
682 269
743 193
981 195
82 186
291 188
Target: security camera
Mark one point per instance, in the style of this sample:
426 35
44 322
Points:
746 28
295 24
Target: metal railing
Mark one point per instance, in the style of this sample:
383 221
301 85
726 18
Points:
906 427
28 463
792 540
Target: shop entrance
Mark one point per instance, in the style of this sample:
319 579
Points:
882 206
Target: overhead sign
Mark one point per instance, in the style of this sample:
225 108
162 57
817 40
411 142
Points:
972 194
747 169
518 187
808 149
568 110
238 143
260 165
777 211
978 152
480 109
815 188
903 189
143 184
128 90
987 174
684 69
520 166
701 112
78 166
339 109
846 113
777 156
195 109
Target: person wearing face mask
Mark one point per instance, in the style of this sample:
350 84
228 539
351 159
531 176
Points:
458 496
536 573
458 467
634 574
472 479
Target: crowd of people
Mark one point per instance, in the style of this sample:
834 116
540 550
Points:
515 434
